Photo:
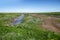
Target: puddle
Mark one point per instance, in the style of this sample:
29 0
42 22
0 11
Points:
18 20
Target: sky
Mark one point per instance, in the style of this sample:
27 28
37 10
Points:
29 5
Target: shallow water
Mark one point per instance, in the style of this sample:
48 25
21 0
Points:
18 20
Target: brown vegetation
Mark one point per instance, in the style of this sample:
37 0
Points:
48 23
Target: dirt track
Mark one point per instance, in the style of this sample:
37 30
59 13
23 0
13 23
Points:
47 22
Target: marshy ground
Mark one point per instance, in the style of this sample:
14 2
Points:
33 27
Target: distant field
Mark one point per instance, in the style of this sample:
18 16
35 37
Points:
33 26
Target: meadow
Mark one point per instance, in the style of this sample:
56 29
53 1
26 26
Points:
29 29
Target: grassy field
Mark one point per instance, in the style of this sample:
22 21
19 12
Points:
28 29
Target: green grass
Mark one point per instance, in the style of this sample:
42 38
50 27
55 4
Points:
23 33
27 30
57 20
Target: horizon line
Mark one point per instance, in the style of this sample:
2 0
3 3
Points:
26 12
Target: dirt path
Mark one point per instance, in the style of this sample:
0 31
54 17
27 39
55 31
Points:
47 23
